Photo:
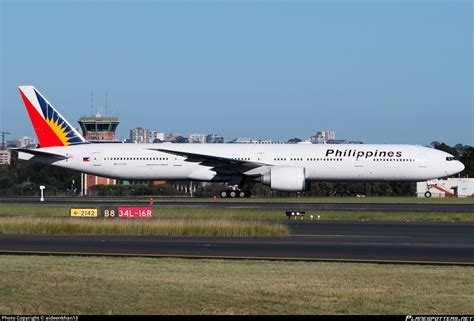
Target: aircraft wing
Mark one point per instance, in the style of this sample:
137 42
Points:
222 165
39 152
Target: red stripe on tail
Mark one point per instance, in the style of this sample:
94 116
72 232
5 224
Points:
46 136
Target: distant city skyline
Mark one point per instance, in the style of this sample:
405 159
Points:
92 132
377 72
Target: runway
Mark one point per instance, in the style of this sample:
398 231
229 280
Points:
268 205
380 242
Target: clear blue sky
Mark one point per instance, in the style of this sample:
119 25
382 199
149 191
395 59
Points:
376 71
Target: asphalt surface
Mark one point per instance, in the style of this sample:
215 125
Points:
368 207
381 242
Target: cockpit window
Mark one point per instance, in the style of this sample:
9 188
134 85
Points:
450 158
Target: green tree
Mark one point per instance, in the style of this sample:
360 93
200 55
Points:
463 153
22 173
467 158
181 140
294 141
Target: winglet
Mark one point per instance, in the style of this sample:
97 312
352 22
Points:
51 128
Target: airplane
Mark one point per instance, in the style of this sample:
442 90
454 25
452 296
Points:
283 167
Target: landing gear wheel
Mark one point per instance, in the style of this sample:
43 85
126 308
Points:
242 194
428 194
224 194
233 194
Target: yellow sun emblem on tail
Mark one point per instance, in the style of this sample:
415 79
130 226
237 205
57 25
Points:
60 128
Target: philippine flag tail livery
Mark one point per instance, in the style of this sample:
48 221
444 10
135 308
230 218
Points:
51 128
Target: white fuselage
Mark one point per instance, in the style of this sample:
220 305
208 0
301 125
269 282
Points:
320 162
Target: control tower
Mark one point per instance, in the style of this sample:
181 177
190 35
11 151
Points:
99 129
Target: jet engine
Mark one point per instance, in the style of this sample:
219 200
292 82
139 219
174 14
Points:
286 178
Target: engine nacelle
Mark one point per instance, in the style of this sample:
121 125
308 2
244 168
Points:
286 178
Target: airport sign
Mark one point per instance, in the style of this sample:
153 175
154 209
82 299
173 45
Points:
83 212
127 211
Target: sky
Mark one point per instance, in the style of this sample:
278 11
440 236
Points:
376 71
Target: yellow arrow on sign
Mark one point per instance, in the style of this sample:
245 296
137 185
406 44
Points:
84 212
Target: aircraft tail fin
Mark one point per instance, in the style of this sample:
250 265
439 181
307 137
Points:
51 128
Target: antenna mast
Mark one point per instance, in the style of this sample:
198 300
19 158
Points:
92 103
106 106
3 133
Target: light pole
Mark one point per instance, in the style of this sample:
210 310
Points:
42 189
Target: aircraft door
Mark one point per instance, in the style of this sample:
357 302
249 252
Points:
178 161
359 167
96 159
261 157
422 160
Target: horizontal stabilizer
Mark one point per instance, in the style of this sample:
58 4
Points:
39 152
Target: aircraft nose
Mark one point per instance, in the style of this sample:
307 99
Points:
454 167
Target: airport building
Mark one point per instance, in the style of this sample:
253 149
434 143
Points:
451 187
99 129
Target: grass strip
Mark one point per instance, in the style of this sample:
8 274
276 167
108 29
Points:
164 227
34 210
243 213
76 285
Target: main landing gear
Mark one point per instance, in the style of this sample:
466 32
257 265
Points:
233 193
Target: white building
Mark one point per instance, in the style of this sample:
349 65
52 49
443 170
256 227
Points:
5 157
140 135
460 187
21 142
329 134
252 141
197 138
242 140
25 141
323 137
157 135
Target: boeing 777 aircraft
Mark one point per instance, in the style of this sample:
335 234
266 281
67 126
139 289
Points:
284 167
